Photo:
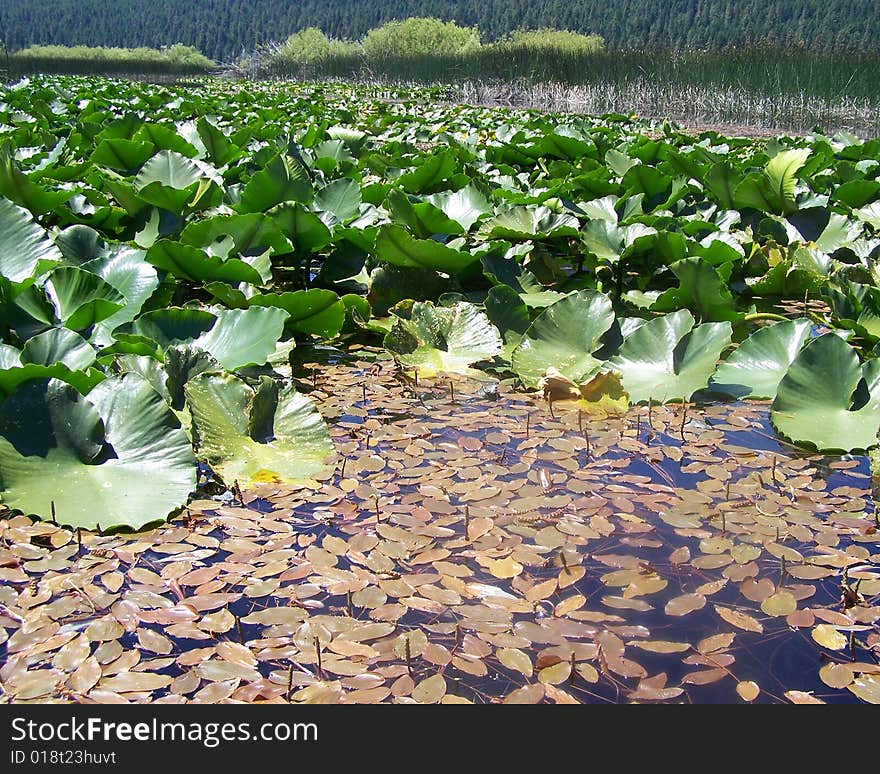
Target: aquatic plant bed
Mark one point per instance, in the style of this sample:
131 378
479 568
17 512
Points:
310 396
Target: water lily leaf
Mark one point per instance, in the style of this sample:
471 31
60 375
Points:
283 179
507 270
828 637
564 337
305 230
341 198
25 249
464 206
508 313
867 688
515 659
124 155
394 245
756 367
81 298
168 327
98 457
684 604
250 235
169 180
127 271
739 619
316 311
430 690
748 690
443 339
773 189
258 436
527 222
702 290
430 174
836 675
781 603
58 345
191 263
243 337
667 358
603 395
828 401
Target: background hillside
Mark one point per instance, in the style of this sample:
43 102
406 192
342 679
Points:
223 28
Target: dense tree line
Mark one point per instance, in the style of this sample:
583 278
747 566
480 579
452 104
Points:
222 29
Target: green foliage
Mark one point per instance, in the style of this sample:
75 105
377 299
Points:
415 37
547 39
176 58
307 47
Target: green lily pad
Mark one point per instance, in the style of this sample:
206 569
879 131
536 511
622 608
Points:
81 298
445 339
701 289
243 337
282 180
316 311
667 358
96 459
756 367
394 245
269 435
25 249
527 222
827 400
564 337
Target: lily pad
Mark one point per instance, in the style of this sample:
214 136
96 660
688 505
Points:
96 458
755 369
827 400
565 337
271 434
444 339
668 358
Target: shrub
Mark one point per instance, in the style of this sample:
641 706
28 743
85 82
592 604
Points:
419 37
310 46
549 39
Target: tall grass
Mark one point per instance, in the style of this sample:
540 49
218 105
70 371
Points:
99 60
766 70
787 89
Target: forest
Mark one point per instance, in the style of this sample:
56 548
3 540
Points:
222 29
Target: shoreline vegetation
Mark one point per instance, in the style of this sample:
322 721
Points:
761 87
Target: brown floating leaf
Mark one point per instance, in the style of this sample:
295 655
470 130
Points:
836 675
86 676
867 688
782 603
154 642
686 603
131 682
802 697
828 637
558 673
705 676
660 646
430 691
505 568
715 643
747 690
588 672
739 620
528 694
479 527
654 689
515 659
